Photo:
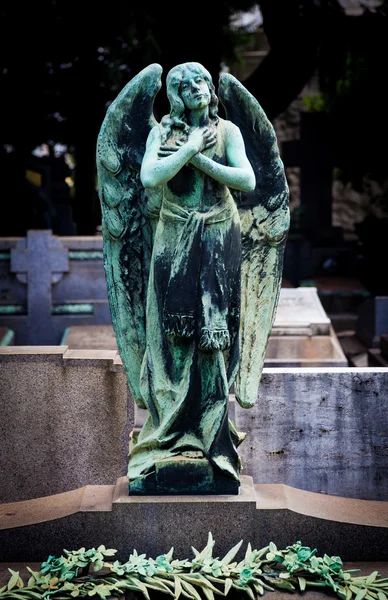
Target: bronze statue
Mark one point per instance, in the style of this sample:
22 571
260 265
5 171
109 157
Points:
194 217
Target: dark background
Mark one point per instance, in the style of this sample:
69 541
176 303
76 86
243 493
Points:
63 63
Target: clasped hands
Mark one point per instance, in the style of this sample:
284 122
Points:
199 139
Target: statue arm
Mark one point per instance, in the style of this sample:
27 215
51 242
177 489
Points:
238 174
156 170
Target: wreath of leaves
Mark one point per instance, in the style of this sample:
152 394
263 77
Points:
294 569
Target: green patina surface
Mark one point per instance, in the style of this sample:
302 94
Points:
12 309
194 221
7 338
73 309
86 255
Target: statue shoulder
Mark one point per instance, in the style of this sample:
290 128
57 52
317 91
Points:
229 130
154 135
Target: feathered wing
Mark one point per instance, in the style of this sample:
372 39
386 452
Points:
265 219
126 224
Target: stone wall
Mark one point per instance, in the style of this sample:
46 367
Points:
321 430
64 420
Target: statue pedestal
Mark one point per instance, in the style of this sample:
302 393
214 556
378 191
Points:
155 523
181 475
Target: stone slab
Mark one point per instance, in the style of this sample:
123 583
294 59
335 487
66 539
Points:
90 336
300 312
305 351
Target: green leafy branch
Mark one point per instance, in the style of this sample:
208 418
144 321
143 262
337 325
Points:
294 569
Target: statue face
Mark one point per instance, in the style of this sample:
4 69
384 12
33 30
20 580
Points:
194 91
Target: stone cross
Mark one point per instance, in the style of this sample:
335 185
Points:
39 260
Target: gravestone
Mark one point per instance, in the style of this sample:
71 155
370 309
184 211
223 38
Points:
302 334
300 312
48 283
39 260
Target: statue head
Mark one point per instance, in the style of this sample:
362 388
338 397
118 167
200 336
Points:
178 108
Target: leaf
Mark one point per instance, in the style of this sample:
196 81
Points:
248 553
33 594
157 584
178 587
381 595
228 585
13 580
208 593
249 591
261 553
348 593
361 594
302 583
272 547
215 579
258 588
354 589
190 589
169 554
140 586
371 578
284 585
231 554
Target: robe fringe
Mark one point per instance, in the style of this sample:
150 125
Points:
179 325
218 339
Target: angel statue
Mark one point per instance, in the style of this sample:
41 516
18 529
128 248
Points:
194 219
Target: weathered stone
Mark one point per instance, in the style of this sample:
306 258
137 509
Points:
65 285
319 430
65 420
300 312
94 515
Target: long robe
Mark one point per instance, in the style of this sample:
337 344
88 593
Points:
192 323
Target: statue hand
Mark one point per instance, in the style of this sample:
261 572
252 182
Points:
201 139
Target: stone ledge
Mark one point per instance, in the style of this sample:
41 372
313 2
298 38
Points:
62 355
102 498
372 513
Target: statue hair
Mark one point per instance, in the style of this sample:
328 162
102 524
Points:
177 117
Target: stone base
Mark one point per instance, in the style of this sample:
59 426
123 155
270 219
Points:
107 514
181 475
